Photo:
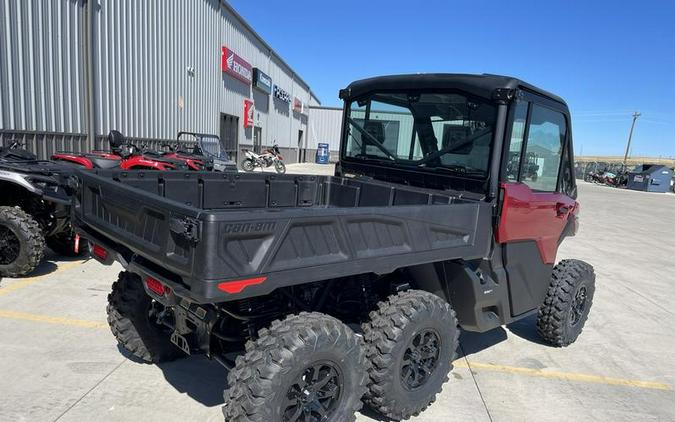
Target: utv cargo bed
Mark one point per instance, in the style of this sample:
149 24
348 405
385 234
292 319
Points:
219 237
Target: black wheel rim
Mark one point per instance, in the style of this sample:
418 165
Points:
578 305
314 395
420 359
10 246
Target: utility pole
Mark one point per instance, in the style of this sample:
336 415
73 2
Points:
630 136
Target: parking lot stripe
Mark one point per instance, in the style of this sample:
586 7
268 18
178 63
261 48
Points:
52 319
568 376
32 280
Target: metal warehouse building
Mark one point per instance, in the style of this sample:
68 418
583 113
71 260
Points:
72 70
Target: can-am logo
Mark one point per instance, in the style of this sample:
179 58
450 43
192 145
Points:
264 226
235 66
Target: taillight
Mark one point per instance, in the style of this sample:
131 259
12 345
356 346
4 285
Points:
237 286
99 252
156 286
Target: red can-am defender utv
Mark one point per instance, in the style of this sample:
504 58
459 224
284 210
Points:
422 230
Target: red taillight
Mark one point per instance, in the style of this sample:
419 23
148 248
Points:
233 287
99 252
156 286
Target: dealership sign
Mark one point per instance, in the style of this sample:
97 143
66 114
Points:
262 81
281 95
248 113
235 66
299 106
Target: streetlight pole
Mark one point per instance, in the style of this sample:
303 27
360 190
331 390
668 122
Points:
630 136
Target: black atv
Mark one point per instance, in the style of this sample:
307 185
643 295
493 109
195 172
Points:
34 211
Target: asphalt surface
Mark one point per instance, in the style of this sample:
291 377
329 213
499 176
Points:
59 361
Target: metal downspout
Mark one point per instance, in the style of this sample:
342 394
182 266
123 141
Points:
90 103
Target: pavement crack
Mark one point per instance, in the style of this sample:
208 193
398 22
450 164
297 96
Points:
90 390
475 382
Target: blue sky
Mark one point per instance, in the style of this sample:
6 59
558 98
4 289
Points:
606 58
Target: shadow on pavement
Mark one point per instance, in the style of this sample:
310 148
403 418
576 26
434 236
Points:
45 267
526 329
471 342
201 379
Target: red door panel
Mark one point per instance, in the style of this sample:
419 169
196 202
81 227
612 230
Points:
538 216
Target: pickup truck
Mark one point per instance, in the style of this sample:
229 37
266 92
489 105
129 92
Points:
320 293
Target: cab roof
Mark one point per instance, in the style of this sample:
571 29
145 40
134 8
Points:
481 85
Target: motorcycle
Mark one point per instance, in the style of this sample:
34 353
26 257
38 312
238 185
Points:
271 157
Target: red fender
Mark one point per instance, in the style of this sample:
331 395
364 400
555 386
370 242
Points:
75 159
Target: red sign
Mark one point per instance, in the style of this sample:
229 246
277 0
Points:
235 66
298 106
248 113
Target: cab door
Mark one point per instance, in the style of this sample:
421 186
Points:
538 206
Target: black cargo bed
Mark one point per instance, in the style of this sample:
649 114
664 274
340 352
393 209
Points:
201 229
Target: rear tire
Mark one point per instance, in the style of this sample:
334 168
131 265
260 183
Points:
247 165
567 304
298 363
128 317
280 167
411 341
22 244
64 244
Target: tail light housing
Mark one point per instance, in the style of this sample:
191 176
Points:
156 286
99 252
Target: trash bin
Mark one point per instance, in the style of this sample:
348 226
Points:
650 178
322 154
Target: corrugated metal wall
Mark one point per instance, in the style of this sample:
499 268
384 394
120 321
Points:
42 101
156 70
325 125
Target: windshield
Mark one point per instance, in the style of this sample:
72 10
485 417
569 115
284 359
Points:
439 131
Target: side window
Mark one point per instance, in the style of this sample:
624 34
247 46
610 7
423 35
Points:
516 144
545 140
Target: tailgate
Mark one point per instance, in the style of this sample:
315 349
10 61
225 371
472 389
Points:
156 228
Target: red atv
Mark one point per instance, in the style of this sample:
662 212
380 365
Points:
126 156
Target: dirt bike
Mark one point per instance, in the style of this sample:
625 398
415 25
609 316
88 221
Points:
271 157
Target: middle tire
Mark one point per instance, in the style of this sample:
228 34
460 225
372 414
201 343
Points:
307 367
411 340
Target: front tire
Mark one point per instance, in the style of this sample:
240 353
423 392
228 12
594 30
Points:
306 367
567 304
411 340
129 320
22 244
280 167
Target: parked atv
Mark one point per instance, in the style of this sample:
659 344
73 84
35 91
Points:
206 152
411 239
34 211
124 155
271 157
